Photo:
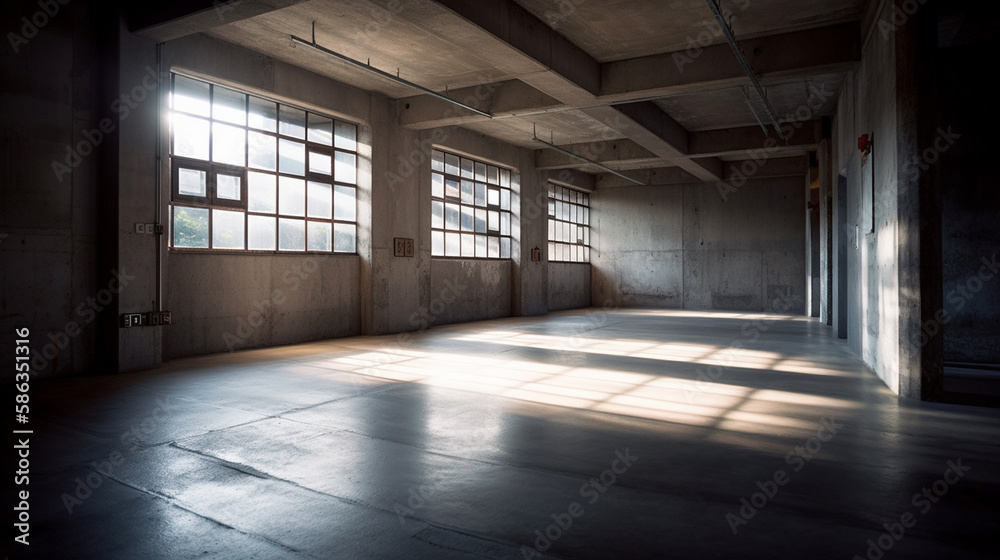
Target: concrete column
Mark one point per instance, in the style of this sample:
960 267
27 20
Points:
921 372
825 227
529 279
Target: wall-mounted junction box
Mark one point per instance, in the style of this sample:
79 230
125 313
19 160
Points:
402 247
151 319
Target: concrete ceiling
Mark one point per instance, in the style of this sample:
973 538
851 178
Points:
653 74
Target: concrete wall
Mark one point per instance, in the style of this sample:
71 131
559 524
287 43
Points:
569 285
466 290
867 105
50 253
251 301
684 246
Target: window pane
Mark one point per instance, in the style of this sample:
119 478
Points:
480 220
451 164
437 164
291 157
263 114
437 214
229 187
493 174
190 96
451 216
320 236
452 245
494 248
505 248
320 201
262 192
261 233
451 189
481 246
480 171
229 144
468 167
437 185
263 151
347 136
552 230
494 222
190 136
504 177
291 235
468 191
345 203
504 199
192 182
227 229
344 238
190 227
320 129
437 243
468 219
493 197
229 106
504 223
346 168
468 245
319 163
292 121
480 194
291 196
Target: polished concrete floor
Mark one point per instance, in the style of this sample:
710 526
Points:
580 435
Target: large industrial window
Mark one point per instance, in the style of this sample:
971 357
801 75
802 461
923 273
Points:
470 207
569 225
251 174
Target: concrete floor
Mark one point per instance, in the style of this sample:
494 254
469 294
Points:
463 441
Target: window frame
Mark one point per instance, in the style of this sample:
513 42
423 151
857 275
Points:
255 104
479 174
577 203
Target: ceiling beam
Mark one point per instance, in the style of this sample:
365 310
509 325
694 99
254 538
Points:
735 172
804 135
658 133
617 154
781 58
163 21
500 99
824 49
